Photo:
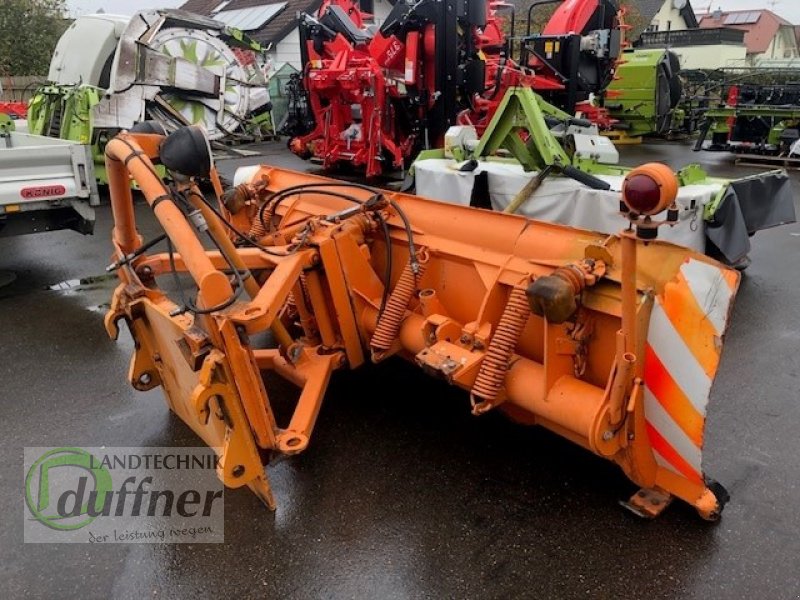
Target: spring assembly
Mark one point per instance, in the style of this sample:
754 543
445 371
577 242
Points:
391 319
556 296
574 275
235 199
492 373
257 230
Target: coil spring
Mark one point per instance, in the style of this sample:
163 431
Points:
257 229
291 301
291 305
304 288
391 319
492 373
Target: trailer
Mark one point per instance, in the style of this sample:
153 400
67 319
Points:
46 184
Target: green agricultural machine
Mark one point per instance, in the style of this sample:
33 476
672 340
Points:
168 66
646 92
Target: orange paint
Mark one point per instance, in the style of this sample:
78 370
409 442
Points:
691 323
326 272
671 397
671 455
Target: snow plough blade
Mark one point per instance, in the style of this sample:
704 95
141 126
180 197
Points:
612 342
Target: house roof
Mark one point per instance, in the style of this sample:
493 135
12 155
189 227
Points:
276 28
758 34
649 9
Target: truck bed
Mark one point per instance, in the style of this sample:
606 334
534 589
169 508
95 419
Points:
45 184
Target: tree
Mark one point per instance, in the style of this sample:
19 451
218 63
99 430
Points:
29 31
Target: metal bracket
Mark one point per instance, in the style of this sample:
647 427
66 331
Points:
648 503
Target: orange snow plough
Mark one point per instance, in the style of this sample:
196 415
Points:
612 342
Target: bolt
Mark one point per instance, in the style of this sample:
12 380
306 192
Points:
465 339
608 435
145 379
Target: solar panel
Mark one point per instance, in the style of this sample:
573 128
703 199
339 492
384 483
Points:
742 18
751 17
250 19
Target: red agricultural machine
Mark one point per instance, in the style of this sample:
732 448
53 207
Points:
373 97
15 110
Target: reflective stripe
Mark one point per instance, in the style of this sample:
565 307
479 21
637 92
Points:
677 359
681 360
712 291
668 453
663 462
689 320
672 398
658 418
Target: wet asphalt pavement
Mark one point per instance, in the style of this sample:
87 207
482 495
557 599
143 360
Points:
402 494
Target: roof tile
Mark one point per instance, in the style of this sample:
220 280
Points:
275 30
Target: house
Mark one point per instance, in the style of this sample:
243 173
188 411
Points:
673 24
274 22
666 15
766 35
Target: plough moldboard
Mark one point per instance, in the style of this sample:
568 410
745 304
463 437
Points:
610 341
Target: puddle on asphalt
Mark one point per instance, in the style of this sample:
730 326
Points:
99 308
73 284
92 290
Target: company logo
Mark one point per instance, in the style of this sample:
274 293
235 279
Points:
65 509
43 191
101 495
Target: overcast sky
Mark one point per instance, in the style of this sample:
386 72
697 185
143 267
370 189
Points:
788 9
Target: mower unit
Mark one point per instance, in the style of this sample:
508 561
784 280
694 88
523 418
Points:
536 160
607 340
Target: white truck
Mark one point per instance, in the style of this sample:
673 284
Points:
45 183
